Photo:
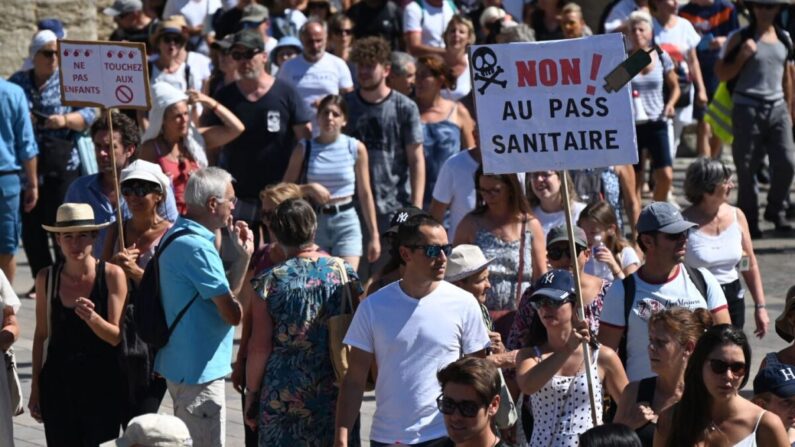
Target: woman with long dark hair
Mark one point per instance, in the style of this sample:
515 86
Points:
711 411
500 224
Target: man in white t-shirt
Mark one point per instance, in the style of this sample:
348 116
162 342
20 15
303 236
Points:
662 282
424 23
616 19
316 73
455 188
411 328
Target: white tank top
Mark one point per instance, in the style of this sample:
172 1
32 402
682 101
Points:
719 254
750 440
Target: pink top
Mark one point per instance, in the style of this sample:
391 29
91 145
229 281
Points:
179 172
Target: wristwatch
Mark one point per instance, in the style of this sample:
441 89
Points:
760 306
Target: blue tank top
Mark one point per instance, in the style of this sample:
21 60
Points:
441 140
332 165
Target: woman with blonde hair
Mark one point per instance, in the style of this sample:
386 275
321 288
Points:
458 36
545 196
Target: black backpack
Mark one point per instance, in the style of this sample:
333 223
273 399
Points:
629 296
150 317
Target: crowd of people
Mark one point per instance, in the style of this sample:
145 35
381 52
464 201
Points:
305 160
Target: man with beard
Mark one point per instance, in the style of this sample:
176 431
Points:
661 283
411 329
97 189
275 118
388 123
316 73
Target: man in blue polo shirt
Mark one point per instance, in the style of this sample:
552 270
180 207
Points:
97 189
18 150
199 352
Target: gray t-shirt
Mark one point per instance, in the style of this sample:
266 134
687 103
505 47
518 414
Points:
386 129
761 75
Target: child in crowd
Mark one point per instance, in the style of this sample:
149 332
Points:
774 390
598 219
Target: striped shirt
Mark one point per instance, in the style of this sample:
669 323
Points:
332 165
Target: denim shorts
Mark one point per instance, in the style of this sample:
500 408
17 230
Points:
339 234
10 213
653 136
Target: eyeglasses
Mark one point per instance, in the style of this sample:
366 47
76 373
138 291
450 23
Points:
720 367
467 408
544 301
676 236
434 251
247 55
556 253
173 38
232 200
48 53
139 189
344 31
490 191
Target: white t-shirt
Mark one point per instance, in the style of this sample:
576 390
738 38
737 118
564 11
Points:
316 80
199 72
430 20
455 186
413 339
649 298
628 257
194 11
463 85
677 41
552 220
620 12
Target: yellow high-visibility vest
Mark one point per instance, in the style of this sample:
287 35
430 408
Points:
719 114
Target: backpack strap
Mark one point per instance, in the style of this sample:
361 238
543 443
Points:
698 280
187 75
304 176
160 248
629 296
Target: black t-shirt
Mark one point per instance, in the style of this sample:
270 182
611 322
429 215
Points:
385 21
140 35
259 156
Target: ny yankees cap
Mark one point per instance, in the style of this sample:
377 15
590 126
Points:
401 216
557 284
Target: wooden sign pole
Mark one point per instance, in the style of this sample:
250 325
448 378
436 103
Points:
116 187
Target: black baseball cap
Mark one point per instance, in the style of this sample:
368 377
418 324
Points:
401 216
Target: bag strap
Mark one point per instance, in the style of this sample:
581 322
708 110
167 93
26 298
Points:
339 263
698 280
520 275
629 296
158 251
304 177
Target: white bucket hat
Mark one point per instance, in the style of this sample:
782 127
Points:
465 261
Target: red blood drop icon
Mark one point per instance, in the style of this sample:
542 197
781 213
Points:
131 54
88 53
110 54
121 54
66 52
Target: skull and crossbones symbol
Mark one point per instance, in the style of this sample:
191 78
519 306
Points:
484 62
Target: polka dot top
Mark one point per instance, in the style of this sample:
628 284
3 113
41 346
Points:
561 408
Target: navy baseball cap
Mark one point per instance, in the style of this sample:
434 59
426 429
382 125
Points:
557 284
778 379
662 217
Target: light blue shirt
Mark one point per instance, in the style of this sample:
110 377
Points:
200 347
17 142
88 189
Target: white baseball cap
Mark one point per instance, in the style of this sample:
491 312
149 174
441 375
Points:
154 430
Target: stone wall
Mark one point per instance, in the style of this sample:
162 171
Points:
83 20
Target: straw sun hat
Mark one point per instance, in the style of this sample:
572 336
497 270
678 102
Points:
74 217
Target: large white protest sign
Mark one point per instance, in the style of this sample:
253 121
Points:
542 106
104 74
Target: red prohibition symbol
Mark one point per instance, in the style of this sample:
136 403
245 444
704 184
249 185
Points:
124 94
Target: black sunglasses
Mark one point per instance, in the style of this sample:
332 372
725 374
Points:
544 301
676 236
556 253
467 408
434 251
344 32
48 53
173 38
248 54
720 367
139 189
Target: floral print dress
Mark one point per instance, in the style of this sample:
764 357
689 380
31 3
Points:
298 396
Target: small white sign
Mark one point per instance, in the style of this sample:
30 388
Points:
542 105
104 74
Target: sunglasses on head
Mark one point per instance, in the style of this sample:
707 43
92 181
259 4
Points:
557 253
720 367
48 53
434 251
139 189
467 408
544 301
173 38
248 54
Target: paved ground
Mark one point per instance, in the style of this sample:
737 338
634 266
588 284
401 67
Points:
774 254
